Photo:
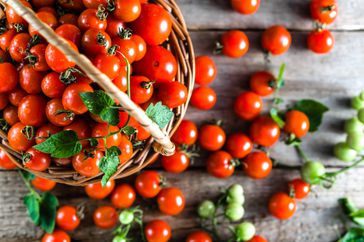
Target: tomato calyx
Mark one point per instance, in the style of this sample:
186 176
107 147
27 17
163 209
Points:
28 132
3 27
218 48
69 114
146 84
101 39
80 211
32 59
110 5
101 13
68 76
190 151
26 157
112 50
34 40
4 125
19 27
128 218
125 33
327 8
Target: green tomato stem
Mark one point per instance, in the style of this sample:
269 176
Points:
345 169
301 153
30 188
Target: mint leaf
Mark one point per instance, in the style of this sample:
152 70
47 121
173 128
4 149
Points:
314 111
61 145
275 116
109 164
280 80
27 175
32 204
48 211
353 235
110 115
159 113
128 130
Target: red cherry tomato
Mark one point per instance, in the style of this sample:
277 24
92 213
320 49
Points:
97 191
105 217
82 129
258 238
176 163
9 77
126 49
92 19
94 3
31 110
57 114
71 99
127 10
159 24
51 86
36 160
10 114
43 3
220 165
211 137
186 133
245 6
172 94
114 26
68 18
158 65
103 129
297 123
157 231
324 11
282 206
45 131
70 32
86 163
126 148
18 47
320 41
43 184
199 236
234 44
171 201
148 184
300 188
17 138
6 38
121 81
56 236
141 46
4 101
108 64
67 218
276 40
264 131
123 196
13 18
262 83
141 89
203 98
205 70
257 165
46 17
56 60
74 5
95 42
37 52
5 162
239 145
248 105
30 79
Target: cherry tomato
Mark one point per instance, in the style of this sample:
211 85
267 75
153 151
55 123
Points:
70 32
95 42
258 238
211 137
5 162
46 17
262 83
203 98
97 191
141 46
8 77
6 38
108 64
56 236
13 18
30 79
67 218
159 24
48 9
171 201
51 86
86 162
276 40
176 163
74 5
121 81
239 145
16 95
69 18
234 43
141 89
264 131
257 165
105 217
18 47
127 10
148 184
199 236
43 184
300 188
320 41
220 165
157 231
4 101
245 6
123 196
248 105
186 133
126 49
10 114
126 148
114 26
43 3
158 65
103 129
36 160
71 99
17 138
92 19
172 94
45 131
282 206
297 123
205 70
37 57
31 110
57 114
324 11
94 3
56 60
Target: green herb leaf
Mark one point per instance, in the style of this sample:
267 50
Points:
353 235
48 211
32 203
275 116
93 142
280 80
128 130
314 111
347 205
109 163
61 145
111 116
27 175
358 217
159 113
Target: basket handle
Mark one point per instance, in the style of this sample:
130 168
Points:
164 145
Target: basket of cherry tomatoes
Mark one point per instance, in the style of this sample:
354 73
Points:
91 90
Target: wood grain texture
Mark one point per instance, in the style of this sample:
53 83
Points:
294 14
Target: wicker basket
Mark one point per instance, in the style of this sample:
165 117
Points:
179 43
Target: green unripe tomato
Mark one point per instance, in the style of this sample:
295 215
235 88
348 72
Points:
206 209
236 190
234 211
312 172
361 115
126 217
361 96
343 152
244 231
355 141
353 125
357 103
119 238
237 199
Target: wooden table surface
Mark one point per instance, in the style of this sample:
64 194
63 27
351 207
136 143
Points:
332 79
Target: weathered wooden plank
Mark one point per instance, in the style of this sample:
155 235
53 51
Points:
294 14
317 218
